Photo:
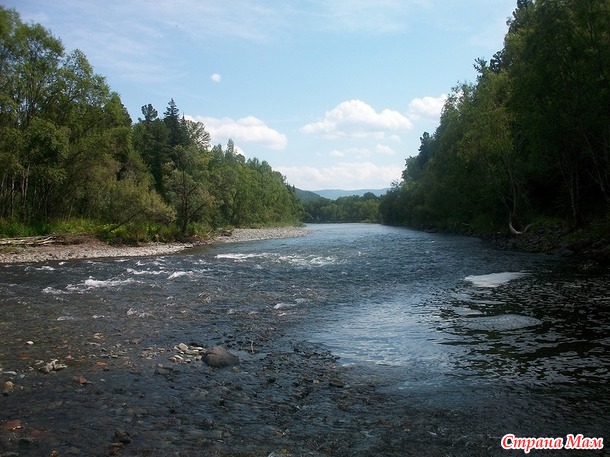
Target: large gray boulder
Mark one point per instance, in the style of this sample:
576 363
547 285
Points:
219 357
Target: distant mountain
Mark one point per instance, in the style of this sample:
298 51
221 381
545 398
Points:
306 195
333 194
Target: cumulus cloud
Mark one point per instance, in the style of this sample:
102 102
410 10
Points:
356 119
385 150
429 107
363 152
216 77
247 129
347 175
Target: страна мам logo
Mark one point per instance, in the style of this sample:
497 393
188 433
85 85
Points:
510 441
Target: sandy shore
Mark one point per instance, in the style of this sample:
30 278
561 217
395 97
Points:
91 248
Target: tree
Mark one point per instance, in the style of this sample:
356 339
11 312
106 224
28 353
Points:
68 149
532 135
151 140
56 114
150 114
176 126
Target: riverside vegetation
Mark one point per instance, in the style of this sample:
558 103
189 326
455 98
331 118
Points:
71 160
526 148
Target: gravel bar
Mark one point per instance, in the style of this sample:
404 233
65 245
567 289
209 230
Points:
92 248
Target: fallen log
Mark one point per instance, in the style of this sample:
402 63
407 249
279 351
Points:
28 241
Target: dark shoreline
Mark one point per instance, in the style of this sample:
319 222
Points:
582 245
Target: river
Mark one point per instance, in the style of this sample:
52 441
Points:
482 342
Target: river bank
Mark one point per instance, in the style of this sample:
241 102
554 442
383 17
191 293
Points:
64 248
589 245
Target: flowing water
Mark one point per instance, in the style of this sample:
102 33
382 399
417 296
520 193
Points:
438 321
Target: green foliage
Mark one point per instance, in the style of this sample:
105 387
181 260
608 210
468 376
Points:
529 140
15 228
69 152
10 228
344 209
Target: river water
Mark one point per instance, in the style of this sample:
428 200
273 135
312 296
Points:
438 322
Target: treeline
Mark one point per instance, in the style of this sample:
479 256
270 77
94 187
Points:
529 141
354 208
69 151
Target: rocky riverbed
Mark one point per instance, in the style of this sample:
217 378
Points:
118 391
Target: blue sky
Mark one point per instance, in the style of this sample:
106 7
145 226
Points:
332 93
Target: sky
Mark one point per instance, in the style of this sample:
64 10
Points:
333 94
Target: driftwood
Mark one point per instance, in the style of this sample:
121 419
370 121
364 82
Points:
514 231
28 241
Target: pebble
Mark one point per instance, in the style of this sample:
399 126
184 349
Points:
162 371
336 383
53 365
7 387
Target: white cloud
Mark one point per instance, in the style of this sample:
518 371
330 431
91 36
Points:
385 150
247 129
429 107
142 50
364 16
356 119
348 175
216 77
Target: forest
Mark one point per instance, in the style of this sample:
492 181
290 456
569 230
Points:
527 145
71 159
348 209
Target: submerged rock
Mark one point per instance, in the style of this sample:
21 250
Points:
219 357
121 436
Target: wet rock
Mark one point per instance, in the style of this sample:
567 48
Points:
26 441
121 436
336 383
280 453
162 371
12 425
81 380
7 387
219 357
115 448
53 365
